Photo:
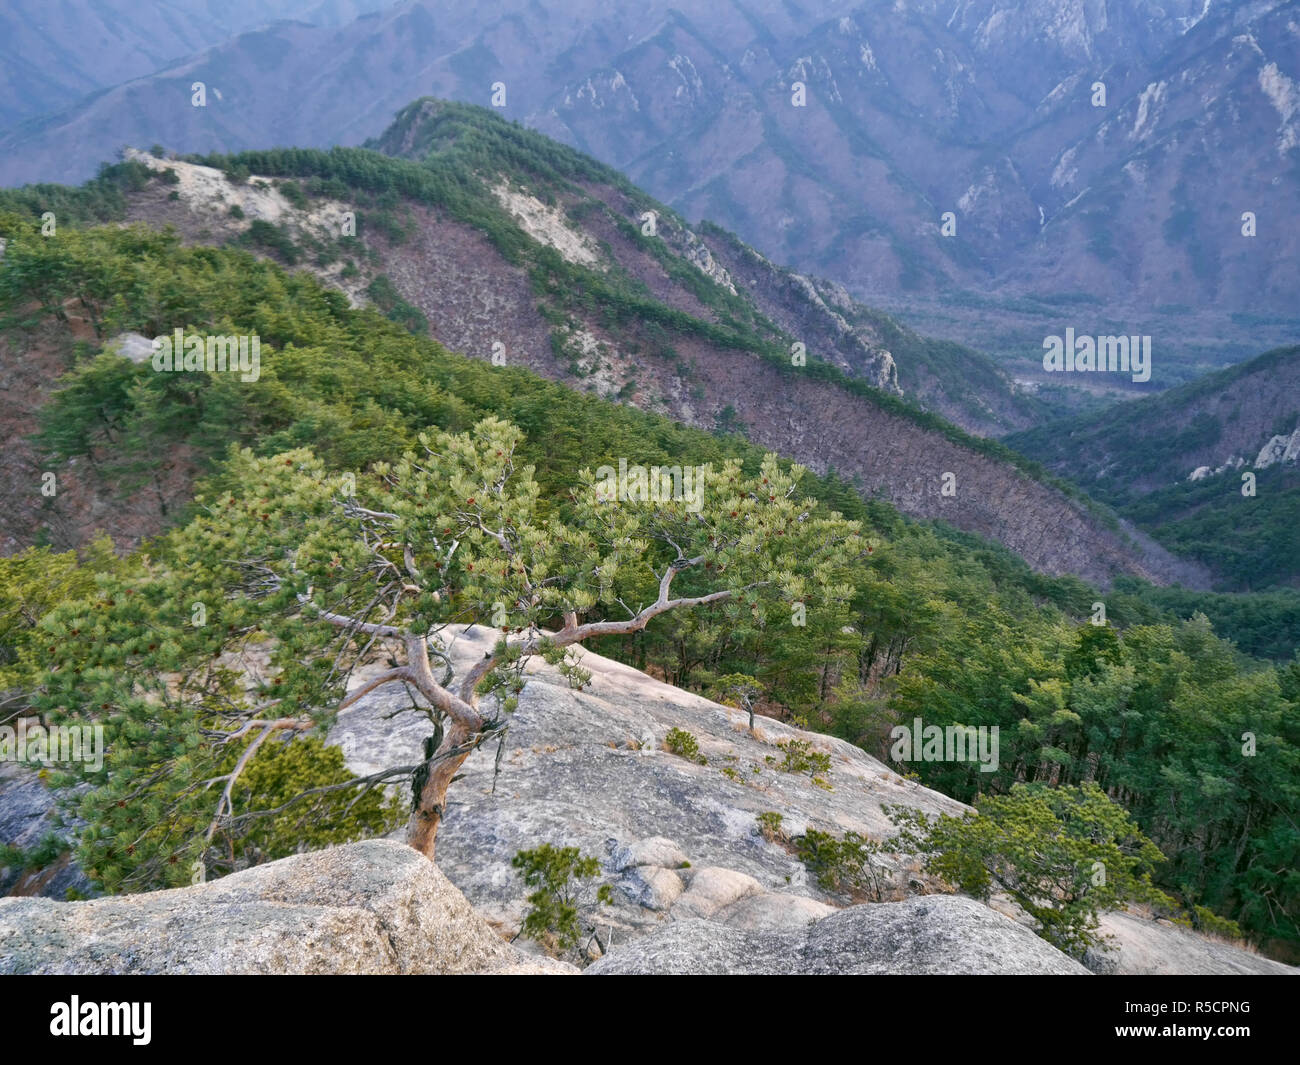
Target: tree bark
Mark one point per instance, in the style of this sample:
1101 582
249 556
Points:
456 746
422 829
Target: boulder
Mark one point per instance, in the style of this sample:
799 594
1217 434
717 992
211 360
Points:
656 850
712 889
372 907
773 912
933 934
652 887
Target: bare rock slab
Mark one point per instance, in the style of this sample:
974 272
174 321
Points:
1139 945
933 934
371 907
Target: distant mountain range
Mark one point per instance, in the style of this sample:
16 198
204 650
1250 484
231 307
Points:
52 56
1125 217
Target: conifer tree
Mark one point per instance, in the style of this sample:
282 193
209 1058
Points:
249 622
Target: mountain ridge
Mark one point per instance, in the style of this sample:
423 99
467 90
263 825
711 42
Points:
693 359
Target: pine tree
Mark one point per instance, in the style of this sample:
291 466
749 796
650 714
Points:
291 577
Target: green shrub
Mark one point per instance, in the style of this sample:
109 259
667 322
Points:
559 875
684 745
274 239
49 850
292 192
841 865
801 758
386 297
1063 855
1206 921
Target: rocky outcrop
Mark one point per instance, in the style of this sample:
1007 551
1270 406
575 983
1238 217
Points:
133 346
372 907
1279 449
810 310
696 252
679 841
379 907
1202 472
697 887
936 934
1139 945
676 837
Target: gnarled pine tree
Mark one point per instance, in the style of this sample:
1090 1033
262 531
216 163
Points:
316 572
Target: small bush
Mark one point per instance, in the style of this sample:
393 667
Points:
292 192
801 758
385 296
559 875
44 853
275 239
1207 922
841 865
769 825
684 745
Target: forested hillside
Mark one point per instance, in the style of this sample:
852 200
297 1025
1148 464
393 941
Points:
935 623
1208 468
512 248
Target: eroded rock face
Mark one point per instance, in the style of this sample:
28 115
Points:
1279 449
133 346
935 934
371 907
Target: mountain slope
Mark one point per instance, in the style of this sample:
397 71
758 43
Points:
1209 468
53 55
509 239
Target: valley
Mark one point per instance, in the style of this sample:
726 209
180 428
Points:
565 487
